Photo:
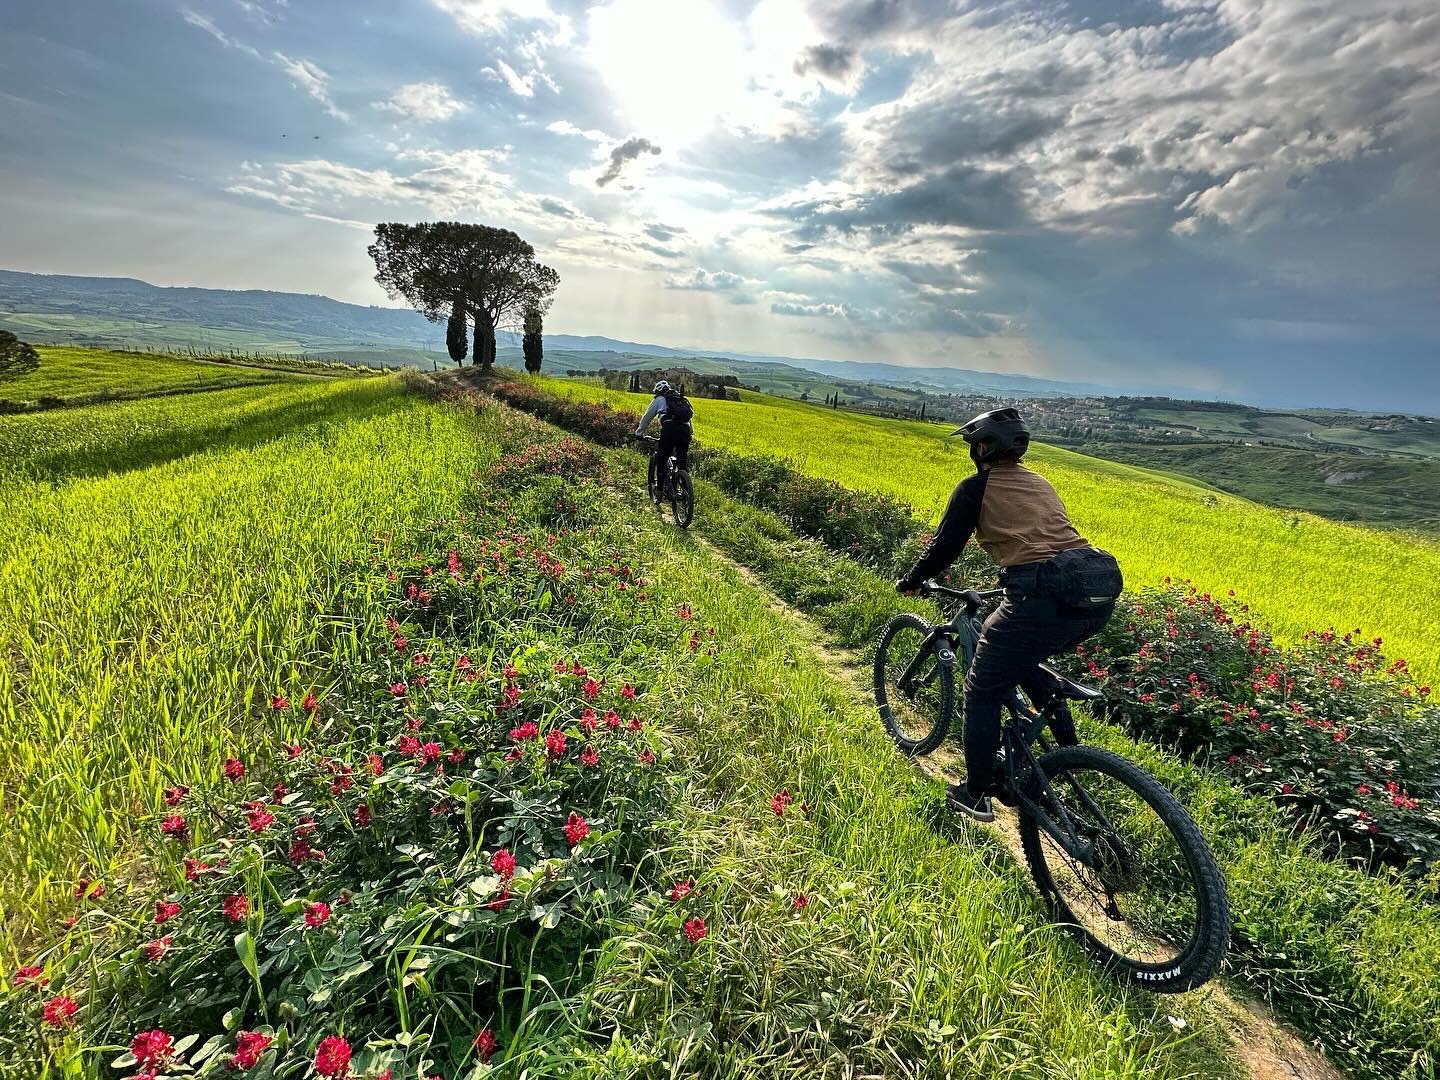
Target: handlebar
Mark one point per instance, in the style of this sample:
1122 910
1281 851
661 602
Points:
644 438
971 598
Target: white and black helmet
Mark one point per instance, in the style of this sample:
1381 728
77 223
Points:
662 387
997 434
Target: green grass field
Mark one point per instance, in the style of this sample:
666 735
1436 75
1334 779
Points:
1301 572
68 373
169 564
146 613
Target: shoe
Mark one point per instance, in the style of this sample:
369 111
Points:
959 799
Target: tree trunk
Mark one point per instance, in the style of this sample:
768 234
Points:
484 342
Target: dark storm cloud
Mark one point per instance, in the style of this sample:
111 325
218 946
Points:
834 62
622 155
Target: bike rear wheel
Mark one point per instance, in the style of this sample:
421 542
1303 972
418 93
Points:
1148 902
653 482
914 693
682 499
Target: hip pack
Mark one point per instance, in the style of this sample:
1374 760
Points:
1083 578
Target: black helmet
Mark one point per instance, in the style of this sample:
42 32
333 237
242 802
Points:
997 434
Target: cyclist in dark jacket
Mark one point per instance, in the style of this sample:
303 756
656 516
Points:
674 411
1016 516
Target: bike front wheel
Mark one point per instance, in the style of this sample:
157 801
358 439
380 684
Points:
1143 893
682 499
914 685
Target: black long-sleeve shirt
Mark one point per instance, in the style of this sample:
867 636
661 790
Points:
1013 513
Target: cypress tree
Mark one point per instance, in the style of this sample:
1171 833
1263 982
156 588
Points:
531 342
455 331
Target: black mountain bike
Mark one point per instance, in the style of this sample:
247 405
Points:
679 493
1119 862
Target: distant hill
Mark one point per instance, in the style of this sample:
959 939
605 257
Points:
125 312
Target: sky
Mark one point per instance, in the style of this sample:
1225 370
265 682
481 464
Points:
1234 196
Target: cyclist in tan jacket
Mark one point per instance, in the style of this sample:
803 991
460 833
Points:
1059 590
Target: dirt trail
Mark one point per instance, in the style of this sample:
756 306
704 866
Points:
1266 1047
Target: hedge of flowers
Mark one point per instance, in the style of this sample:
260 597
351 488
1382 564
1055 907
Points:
477 801
1346 740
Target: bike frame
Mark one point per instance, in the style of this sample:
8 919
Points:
670 469
959 636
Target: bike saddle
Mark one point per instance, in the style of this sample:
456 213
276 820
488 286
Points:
1071 689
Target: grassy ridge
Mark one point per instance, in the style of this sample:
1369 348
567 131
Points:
1301 572
67 373
147 616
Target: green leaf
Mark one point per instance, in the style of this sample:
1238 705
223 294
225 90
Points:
245 949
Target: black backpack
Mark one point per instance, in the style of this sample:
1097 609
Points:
677 408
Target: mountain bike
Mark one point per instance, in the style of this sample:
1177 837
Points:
679 493
1118 861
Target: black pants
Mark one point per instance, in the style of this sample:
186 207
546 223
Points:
674 438
1018 635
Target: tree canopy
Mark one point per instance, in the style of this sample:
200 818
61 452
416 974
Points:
450 268
16 357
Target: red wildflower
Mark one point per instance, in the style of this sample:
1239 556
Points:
429 752
555 745
647 757
249 1045
591 689
175 826
681 889
627 692
501 900
59 1010
236 907
362 816
525 731
152 1048
588 722
174 795
503 863
400 642
456 756
684 611
577 670
279 791
695 929
515 753
612 719
259 820
33 975
234 769
486 1044
310 704
800 902
316 914
576 829
279 702
165 910
301 850
157 948
462 663
779 801
332 1056
397 689
590 757
635 724
86 889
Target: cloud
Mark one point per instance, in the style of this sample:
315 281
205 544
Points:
663 233
565 127
423 101
626 152
202 22
558 207
839 66
702 280
503 72
489 17
313 80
